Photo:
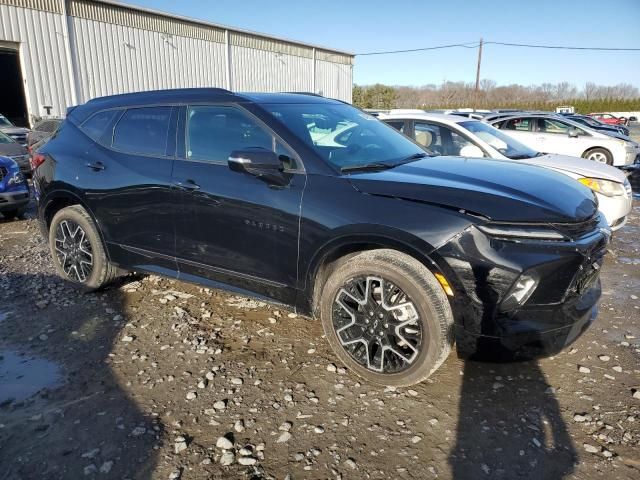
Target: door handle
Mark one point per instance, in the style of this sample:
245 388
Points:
95 166
188 185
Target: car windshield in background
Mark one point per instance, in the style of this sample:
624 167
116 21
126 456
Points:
5 139
346 137
4 122
502 142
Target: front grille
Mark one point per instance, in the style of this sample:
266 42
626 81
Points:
3 173
19 137
578 230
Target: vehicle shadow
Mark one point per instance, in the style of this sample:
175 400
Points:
509 425
63 411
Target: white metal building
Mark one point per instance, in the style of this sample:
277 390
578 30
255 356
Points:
58 53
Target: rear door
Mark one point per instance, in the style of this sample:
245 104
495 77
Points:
233 227
554 135
521 128
129 183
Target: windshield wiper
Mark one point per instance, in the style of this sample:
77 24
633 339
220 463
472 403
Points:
412 158
377 166
368 167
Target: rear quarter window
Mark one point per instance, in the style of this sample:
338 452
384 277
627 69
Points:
96 125
143 131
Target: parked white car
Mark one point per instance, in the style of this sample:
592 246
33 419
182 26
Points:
460 136
554 134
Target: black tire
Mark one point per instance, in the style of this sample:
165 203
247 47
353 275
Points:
17 213
420 288
102 272
601 155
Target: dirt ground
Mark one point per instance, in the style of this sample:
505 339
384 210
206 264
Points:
142 380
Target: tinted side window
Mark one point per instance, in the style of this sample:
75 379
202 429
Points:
519 124
96 125
552 126
214 132
51 126
143 131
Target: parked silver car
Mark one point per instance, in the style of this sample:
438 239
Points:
460 136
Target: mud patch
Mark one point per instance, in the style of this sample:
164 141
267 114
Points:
22 376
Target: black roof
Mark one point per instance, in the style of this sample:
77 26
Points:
191 95
185 95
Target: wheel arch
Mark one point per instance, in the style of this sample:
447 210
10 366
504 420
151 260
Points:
344 245
57 200
590 149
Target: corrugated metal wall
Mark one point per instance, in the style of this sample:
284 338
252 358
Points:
334 80
118 59
41 38
100 48
260 70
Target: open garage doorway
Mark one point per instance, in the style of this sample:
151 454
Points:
13 104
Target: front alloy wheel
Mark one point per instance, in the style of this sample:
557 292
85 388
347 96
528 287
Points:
386 317
377 324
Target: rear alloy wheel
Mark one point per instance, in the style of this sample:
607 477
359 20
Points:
599 155
387 317
77 251
73 251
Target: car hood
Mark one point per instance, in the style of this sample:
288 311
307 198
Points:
578 166
14 130
615 134
502 191
12 149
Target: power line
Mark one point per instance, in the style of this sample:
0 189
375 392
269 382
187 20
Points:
562 47
465 45
507 44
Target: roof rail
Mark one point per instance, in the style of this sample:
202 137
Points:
311 94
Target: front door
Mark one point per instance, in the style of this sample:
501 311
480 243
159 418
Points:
234 227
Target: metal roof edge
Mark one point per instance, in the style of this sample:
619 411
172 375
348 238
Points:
220 26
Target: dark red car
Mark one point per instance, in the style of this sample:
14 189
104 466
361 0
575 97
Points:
609 119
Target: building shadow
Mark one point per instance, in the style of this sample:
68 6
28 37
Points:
73 419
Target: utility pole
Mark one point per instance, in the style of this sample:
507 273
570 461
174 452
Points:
475 98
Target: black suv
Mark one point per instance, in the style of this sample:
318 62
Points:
313 203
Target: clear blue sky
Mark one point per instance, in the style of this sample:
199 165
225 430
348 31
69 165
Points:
372 25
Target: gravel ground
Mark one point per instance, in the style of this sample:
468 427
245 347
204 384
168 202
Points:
158 379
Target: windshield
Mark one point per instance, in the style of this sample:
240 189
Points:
502 142
4 122
5 139
344 136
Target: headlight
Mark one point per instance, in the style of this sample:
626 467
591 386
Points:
17 179
605 187
525 232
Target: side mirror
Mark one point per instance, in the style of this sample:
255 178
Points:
254 161
573 132
262 164
471 151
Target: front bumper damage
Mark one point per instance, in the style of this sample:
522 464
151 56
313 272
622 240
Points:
483 270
